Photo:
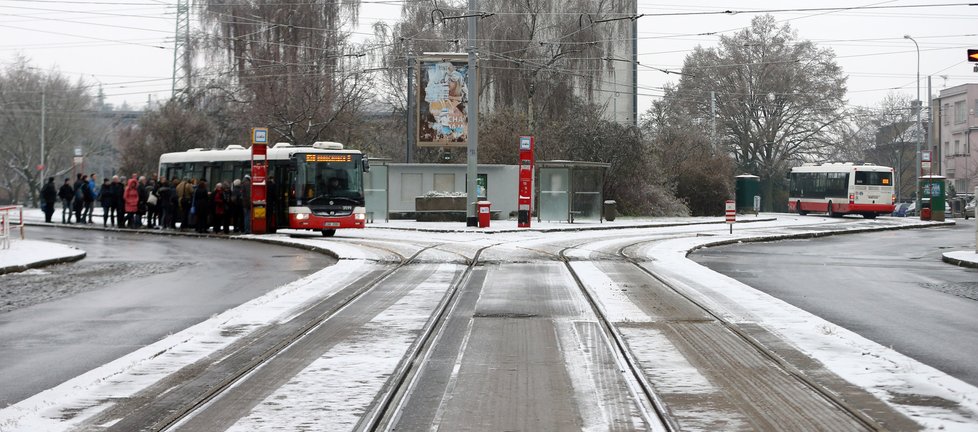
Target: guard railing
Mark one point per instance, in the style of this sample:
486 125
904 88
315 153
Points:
11 217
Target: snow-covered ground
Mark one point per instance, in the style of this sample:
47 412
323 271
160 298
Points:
27 254
966 258
876 368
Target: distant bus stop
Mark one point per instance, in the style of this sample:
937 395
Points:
570 190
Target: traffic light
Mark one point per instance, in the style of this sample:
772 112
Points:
973 55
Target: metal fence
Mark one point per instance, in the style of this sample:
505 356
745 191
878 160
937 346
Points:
11 217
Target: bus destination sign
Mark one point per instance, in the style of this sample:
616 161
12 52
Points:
328 158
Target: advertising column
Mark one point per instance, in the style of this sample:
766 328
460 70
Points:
259 173
525 205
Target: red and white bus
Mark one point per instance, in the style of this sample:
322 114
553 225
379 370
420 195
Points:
318 187
840 189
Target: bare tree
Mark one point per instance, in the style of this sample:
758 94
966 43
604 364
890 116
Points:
685 159
67 122
172 128
883 135
777 98
289 68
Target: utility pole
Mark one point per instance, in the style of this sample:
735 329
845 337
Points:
410 110
713 118
471 217
43 113
930 130
180 84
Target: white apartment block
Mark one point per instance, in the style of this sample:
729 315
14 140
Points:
955 135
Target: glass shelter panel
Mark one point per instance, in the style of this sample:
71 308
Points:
586 201
554 194
375 189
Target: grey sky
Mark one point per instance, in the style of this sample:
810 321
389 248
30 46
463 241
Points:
127 44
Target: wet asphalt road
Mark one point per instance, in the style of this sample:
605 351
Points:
890 287
131 290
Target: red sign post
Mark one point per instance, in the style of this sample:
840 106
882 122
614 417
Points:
731 210
525 204
259 172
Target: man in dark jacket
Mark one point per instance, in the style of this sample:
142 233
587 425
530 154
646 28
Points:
118 203
48 196
78 203
66 193
105 198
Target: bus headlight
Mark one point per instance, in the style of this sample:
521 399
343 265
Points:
360 213
301 213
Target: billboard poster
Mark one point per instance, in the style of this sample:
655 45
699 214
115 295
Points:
443 102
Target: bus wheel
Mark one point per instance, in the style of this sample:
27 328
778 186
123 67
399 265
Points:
329 233
869 215
798 208
830 211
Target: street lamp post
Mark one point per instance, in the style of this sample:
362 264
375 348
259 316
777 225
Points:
919 105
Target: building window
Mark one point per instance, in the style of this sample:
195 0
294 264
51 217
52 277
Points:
947 149
959 112
946 113
410 186
444 182
957 147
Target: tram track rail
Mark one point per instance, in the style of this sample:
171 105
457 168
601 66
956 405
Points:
868 422
164 405
388 405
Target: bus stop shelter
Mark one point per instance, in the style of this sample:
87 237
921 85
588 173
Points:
570 190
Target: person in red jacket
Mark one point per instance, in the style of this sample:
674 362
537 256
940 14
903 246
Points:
221 201
131 198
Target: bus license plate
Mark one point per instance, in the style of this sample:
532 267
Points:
331 224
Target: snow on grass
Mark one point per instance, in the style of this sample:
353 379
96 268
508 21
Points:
333 393
27 252
76 400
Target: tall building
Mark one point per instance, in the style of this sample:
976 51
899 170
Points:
955 135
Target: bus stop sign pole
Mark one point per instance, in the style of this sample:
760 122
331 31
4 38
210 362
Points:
731 212
525 196
259 172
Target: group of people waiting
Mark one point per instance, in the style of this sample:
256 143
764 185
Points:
164 203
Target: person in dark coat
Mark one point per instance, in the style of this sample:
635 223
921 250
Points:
105 198
200 206
78 203
118 201
164 203
48 196
66 193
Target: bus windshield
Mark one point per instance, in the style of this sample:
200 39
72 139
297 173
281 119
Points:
324 177
873 178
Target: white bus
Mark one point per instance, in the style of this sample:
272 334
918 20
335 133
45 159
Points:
318 187
841 188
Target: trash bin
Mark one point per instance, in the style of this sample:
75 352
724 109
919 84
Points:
484 214
925 214
610 210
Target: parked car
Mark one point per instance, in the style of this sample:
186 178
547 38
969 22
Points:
969 210
900 210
